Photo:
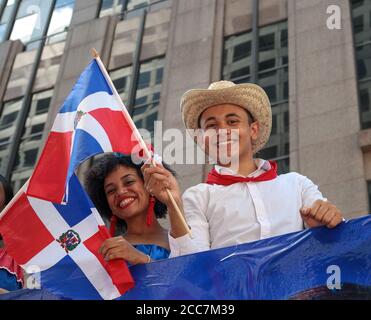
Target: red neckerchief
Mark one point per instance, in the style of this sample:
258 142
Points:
226 180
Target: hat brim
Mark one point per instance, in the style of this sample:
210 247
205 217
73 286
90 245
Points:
248 96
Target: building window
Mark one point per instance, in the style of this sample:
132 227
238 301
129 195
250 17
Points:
148 88
9 8
31 19
121 78
110 7
31 138
60 21
272 77
8 121
147 97
361 14
113 7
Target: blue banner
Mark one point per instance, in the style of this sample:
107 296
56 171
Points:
319 263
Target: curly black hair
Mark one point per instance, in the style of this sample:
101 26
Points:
8 191
103 166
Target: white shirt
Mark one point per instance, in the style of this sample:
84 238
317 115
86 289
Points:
221 216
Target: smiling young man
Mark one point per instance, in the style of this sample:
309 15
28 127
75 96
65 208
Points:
243 199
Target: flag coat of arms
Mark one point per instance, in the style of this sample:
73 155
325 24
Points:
91 121
62 242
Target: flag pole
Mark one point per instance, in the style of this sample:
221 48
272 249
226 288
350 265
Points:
136 132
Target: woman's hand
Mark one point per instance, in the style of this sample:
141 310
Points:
157 180
119 248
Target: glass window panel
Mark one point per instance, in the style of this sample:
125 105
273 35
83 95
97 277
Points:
241 51
148 93
19 178
136 4
237 56
2 32
241 80
278 145
49 66
4 155
267 64
124 43
121 80
159 75
243 72
8 122
358 24
363 54
266 42
361 16
144 79
9 114
61 17
273 47
31 19
42 105
269 152
275 83
32 133
156 96
284 38
37 129
156 34
140 101
110 7
365 107
283 165
8 11
364 99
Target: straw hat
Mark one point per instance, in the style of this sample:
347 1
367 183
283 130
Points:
248 96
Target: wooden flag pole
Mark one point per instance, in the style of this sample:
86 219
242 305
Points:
137 134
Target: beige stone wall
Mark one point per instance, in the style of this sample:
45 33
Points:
8 52
324 117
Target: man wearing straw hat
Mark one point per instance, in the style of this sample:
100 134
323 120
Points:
243 200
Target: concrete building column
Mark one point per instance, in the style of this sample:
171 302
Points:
323 106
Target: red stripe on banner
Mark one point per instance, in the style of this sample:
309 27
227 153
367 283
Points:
24 233
117 128
49 177
117 269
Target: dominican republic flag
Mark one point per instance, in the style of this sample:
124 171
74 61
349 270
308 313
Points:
91 121
62 242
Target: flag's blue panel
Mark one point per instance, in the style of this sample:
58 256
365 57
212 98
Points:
85 146
78 206
66 279
90 81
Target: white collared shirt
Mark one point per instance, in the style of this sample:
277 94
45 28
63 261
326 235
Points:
221 216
